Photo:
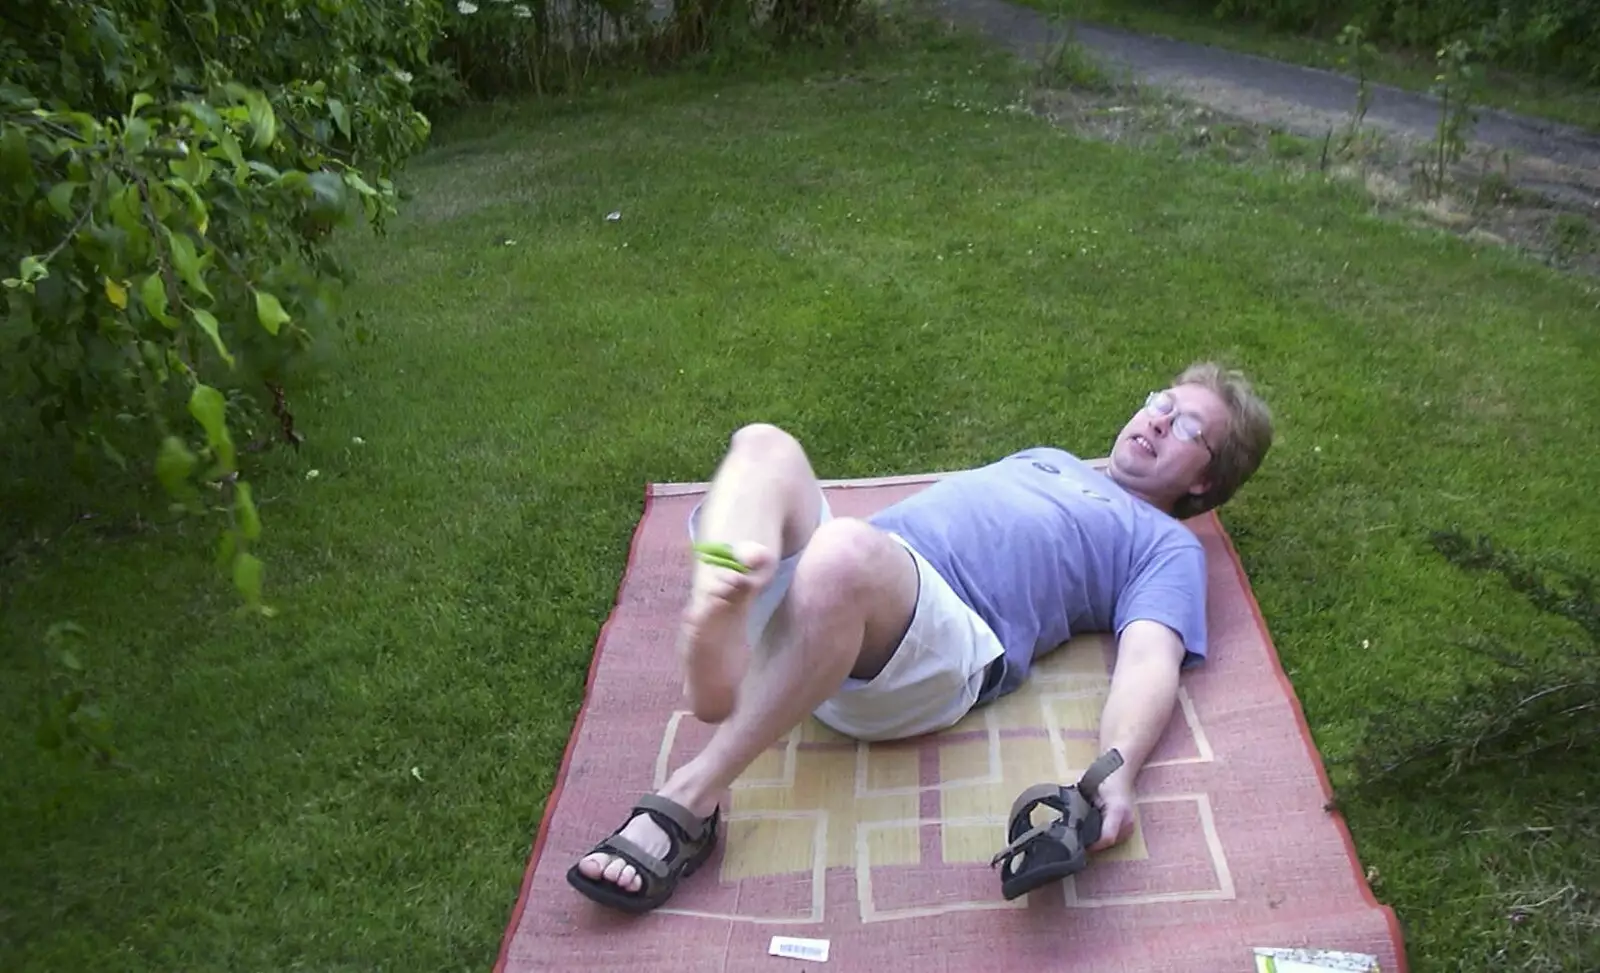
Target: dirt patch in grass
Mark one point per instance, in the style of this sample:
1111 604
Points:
1504 181
1490 198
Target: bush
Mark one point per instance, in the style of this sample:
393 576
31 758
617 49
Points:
172 174
498 47
1554 37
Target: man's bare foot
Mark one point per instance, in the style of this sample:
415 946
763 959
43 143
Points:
712 638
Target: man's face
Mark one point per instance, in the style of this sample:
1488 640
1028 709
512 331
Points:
1163 451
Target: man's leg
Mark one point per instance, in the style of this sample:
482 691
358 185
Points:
848 605
764 502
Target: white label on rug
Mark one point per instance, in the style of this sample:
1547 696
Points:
1271 959
815 950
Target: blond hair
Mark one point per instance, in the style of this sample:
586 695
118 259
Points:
1240 452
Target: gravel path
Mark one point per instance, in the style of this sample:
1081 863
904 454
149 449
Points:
1547 157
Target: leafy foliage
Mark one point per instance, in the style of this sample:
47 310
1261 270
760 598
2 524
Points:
489 48
498 46
71 721
170 176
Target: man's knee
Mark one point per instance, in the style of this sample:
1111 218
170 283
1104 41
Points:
851 565
765 442
846 552
852 569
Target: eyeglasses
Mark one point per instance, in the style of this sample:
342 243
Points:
1186 426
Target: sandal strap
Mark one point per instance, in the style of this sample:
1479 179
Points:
643 861
1104 766
689 827
1055 829
684 831
1046 794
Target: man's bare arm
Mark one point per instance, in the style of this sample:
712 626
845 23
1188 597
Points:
1144 688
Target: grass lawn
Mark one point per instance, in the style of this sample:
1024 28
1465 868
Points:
1517 91
880 254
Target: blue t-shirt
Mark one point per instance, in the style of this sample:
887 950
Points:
1042 545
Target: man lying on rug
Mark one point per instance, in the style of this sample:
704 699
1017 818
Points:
899 624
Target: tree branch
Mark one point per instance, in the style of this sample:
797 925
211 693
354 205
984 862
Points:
77 225
164 266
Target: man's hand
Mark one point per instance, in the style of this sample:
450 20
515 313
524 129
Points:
1144 687
1115 801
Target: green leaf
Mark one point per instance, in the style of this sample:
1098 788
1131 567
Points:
189 169
111 453
140 100
244 507
70 660
247 573
227 546
230 148
204 116
16 164
137 137
329 198
175 462
341 116
17 97
263 122
60 198
187 261
30 269
270 313
126 205
197 206
153 293
61 631
209 408
95 727
150 353
208 323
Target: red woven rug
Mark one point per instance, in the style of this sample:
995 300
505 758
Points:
884 850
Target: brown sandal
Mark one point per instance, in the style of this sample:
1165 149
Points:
693 840
1060 848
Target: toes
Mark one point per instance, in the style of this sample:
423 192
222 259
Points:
613 870
722 584
756 557
716 586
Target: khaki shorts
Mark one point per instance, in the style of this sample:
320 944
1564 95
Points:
930 682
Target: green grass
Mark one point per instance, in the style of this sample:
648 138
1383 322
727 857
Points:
1517 91
881 256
